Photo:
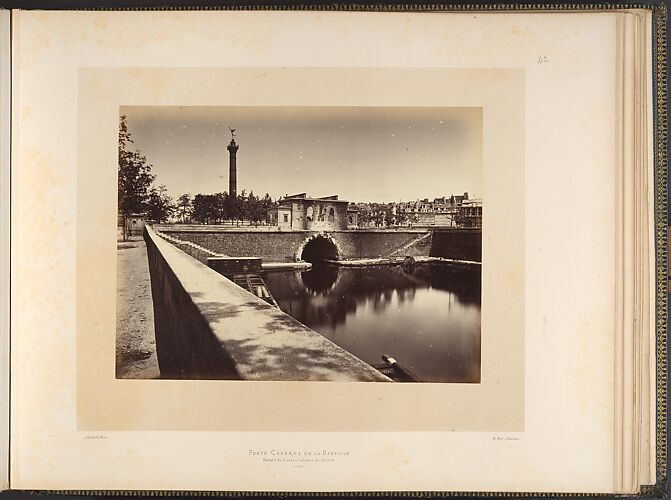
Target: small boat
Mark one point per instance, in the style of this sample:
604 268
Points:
394 371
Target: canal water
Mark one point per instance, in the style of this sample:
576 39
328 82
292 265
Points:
427 317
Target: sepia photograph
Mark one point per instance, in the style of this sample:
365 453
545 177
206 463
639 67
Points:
299 243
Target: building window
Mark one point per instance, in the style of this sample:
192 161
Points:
331 214
286 218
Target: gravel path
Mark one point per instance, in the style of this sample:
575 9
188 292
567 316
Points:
135 342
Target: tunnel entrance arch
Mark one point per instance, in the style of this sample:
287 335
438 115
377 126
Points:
319 247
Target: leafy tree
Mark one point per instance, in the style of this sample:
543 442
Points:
377 214
247 205
364 216
184 207
159 206
134 177
459 219
218 207
267 202
236 206
205 208
402 218
256 210
198 208
389 216
222 206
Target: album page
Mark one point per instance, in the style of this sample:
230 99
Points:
315 251
636 341
5 106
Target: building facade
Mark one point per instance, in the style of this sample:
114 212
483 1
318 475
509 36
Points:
135 224
300 213
452 211
470 212
352 217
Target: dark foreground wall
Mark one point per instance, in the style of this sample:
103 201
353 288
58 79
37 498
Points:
185 345
461 244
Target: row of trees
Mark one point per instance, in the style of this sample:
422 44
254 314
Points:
219 207
207 208
138 194
379 215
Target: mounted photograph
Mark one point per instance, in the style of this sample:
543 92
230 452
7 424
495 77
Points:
406 251
300 243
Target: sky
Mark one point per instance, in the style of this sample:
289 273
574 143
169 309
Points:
362 154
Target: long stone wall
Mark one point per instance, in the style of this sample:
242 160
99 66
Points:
372 244
270 246
282 246
461 244
199 253
207 327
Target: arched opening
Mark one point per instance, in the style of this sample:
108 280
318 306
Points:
319 249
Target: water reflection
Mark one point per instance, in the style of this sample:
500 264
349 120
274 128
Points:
320 282
425 316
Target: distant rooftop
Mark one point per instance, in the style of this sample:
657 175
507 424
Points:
472 201
304 196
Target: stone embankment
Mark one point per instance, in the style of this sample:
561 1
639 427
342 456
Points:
209 328
285 246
